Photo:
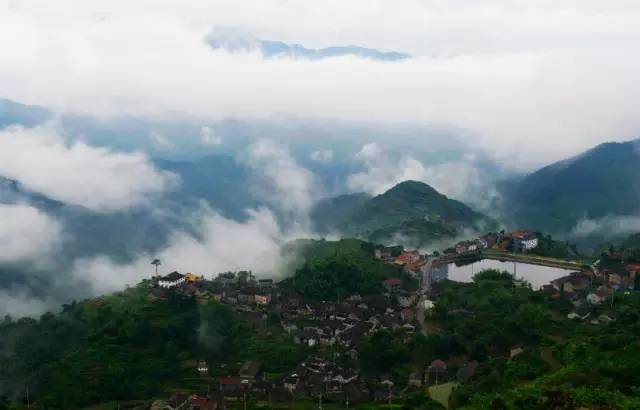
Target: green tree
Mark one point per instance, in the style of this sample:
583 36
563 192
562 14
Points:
382 352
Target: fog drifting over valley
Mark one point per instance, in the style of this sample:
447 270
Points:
490 90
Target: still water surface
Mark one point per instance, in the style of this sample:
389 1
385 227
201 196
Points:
534 274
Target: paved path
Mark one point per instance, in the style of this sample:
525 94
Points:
425 287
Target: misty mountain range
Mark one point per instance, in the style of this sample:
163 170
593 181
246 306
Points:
219 182
595 184
237 42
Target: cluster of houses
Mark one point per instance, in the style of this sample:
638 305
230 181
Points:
334 330
229 288
343 325
339 327
516 241
591 287
186 402
317 377
412 261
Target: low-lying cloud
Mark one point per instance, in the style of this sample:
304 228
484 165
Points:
218 245
383 169
76 173
26 234
324 156
610 227
278 178
17 302
208 136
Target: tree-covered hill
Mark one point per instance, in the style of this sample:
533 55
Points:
333 270
411 210
125 346
599 182
559 363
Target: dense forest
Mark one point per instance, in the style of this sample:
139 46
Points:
334 270
123 347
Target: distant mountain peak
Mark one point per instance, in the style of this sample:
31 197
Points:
411 209
236 41
412 186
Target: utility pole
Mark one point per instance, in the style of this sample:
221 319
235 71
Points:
320 401
612 296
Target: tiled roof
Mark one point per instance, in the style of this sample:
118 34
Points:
393 282
173 276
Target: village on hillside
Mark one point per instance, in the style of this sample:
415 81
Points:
334 331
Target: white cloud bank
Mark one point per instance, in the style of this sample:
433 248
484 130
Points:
208 136
78 174
26 234
220 245
18 302
607 227
324 156
289 187
532 83
384 169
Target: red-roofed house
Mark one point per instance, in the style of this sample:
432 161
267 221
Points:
408 257
633 267
201 403
437 367
392 284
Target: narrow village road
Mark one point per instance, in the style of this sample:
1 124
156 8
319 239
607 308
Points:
425 287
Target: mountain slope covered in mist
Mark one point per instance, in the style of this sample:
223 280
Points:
218 179
12 112
599 182
411 209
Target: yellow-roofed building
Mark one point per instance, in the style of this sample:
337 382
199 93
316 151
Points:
191 277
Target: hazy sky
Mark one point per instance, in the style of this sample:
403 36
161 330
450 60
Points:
531 82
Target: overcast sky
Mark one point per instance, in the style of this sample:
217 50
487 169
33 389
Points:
530 82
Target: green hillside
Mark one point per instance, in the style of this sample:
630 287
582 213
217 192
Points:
125 347
332 270
412 210
602 181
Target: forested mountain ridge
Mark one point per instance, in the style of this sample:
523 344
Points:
411 209
599 182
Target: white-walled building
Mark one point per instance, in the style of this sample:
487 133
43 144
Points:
171 280
524 240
